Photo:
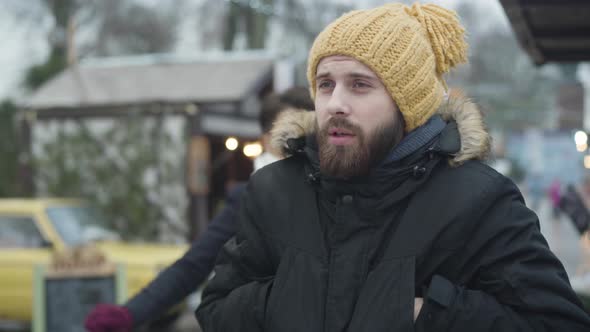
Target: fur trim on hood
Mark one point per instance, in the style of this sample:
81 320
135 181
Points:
475 139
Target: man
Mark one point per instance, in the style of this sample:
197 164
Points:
383 219
186 274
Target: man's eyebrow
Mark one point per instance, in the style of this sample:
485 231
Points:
362 75
322 75
353 75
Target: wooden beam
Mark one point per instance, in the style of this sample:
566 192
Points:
127 110
563 34
567 55
549 3
26 171
521 25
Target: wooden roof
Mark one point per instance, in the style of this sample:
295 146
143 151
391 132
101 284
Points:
551 30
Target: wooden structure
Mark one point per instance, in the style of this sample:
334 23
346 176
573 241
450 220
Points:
218 95
551 30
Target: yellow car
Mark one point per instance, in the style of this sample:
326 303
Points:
31 230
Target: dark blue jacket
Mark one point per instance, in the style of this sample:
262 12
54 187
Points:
184 276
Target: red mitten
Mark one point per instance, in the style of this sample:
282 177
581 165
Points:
109 318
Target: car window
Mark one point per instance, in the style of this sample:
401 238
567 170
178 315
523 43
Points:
19 232
79 225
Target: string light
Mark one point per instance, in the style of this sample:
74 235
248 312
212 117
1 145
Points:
231 143
252 150
581 138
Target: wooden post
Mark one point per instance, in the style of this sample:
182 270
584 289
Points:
25 159
121 283
197 173
38 299
71 54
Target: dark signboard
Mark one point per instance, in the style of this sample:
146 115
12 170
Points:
62 301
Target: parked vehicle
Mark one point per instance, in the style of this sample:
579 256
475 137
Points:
32 230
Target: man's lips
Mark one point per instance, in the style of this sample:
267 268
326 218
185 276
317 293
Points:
340 132
339 136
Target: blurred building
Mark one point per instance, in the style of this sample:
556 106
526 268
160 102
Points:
546 155
215 96
559 31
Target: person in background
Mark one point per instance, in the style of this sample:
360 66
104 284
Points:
184 276
573 203
384 217
555 196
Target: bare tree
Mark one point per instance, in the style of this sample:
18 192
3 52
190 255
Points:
230 20
210 25
250 21
129 28
501 76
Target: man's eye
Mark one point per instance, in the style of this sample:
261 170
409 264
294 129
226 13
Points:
360 84
325 84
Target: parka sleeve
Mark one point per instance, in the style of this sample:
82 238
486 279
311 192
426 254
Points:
235 298
183 277
519 285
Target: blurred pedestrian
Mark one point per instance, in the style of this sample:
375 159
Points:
184 276
554 197
574 204
384 218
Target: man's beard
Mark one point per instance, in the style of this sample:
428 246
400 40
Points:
346 161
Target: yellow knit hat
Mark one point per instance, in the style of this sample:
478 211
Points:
409 48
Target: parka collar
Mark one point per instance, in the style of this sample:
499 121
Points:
463 138
474 140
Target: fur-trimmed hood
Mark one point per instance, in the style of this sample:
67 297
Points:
474 137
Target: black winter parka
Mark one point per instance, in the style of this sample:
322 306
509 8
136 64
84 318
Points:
319 254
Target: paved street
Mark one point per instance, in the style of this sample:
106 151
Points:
565 241
563 238
187 322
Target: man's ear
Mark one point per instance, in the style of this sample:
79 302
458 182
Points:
265 140
400 124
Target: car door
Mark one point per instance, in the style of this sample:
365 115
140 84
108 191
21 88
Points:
21 248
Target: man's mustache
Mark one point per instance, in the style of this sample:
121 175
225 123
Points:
342 123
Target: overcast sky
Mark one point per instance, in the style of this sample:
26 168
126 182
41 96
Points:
24 44
21 45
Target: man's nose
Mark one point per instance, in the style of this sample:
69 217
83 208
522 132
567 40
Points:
338 105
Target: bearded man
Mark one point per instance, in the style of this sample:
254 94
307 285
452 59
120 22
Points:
384 218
